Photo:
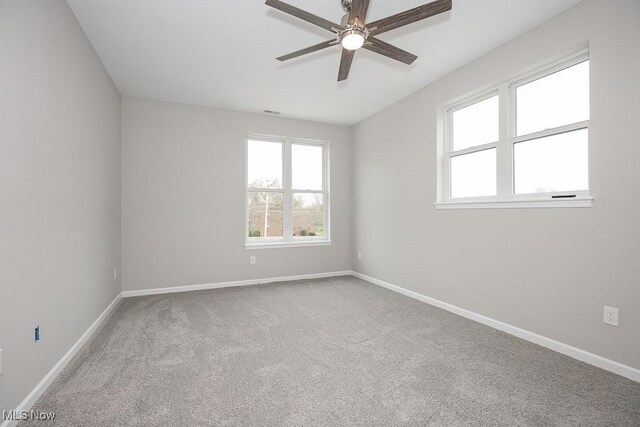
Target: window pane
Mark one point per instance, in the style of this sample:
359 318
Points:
264 164
306 167
474 175
555 163
556 100
308 214
476 124
265 214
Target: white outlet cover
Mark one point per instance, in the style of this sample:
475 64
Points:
610 316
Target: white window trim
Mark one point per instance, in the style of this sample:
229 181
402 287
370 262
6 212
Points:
505 198
288 240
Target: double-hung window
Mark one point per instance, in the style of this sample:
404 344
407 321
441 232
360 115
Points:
287 192
523 143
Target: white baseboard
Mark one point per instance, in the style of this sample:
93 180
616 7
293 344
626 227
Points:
576 353
37 391
188 288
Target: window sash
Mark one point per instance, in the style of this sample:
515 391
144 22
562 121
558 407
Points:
324 214
288 192
275 141
547 71
505 173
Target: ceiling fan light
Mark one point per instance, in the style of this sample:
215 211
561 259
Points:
352 40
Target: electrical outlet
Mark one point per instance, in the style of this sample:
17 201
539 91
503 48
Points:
252 260
359 254
36 334
610 316
115 273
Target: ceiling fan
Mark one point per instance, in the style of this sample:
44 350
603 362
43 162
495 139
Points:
354 33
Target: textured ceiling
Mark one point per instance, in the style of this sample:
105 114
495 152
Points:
221 53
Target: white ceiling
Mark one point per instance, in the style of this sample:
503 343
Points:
221 53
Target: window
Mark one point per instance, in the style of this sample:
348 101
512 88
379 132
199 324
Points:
523 143
287 193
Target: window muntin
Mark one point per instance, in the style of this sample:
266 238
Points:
527 164
294 209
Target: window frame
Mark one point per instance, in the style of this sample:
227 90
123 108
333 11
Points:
505 177
288 240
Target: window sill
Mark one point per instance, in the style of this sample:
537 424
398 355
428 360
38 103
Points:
577 202
291 244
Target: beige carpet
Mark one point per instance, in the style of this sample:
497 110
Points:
335 351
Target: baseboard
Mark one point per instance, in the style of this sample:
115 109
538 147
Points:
188 288
576 353
37 391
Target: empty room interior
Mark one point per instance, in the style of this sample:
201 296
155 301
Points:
335 212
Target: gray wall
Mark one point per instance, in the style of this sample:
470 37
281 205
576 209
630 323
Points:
549 271
183 197
59 189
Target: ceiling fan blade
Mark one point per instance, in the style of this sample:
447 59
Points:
310 49
345 64
302 14
409 16
358 10
383 48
